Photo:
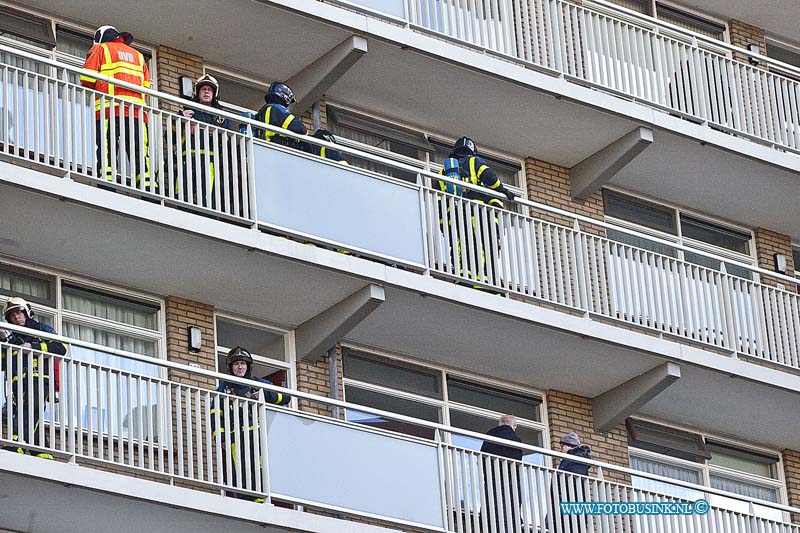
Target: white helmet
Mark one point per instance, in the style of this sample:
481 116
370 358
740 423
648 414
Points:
17 304
106 34
207 79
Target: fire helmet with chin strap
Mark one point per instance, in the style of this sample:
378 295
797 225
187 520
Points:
207 79
17 304
279 93
238 354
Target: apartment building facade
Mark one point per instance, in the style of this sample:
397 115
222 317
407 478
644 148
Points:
642 290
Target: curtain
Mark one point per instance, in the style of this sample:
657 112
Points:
745 488
35 288
110 308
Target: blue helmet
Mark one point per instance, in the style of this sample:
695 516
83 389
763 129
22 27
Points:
465 146
279 93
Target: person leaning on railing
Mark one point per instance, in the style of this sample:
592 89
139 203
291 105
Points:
206 92
17 311
276 112
562 491
111 55
240 364
464 164
506 429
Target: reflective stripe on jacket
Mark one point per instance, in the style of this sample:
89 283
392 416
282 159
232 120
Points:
119 61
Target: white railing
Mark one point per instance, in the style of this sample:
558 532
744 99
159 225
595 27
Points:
630 55
463 240
144 425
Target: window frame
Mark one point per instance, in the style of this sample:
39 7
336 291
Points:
289 349
679 238
445 405
707 469
432 138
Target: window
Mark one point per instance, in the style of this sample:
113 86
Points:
676 16
675 225
704 460
436 396
106 317
796 261
267 345
28 26
406 145
784 53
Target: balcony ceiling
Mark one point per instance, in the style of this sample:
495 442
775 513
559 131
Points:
425 319
774 16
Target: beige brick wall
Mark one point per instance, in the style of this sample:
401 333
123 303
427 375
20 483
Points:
768 243
791 471
550 184
172 64
743 35
570 412
181 314
314 378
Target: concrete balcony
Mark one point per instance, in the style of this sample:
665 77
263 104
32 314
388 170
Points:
186 239
185 464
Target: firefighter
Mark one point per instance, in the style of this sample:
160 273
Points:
325 152
240 364
193 147
463 163
276 112
17 311
111 55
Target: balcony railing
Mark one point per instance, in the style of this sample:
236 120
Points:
627 54
147 425
49 120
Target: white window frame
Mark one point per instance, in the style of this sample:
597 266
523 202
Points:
707 469
444 404
678 238
289 349
427 164
59 314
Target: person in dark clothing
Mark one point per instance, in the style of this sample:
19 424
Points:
505 429
464 164
239 363
17 311
276 112
570 489
192 143
325 152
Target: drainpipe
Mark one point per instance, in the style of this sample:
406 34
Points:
315 118
333 375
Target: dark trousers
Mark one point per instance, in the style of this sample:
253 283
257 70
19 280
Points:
238 447
135 148
27 430
201 183
505 519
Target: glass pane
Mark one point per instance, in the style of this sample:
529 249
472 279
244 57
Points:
110 339
73 43
481 424
689 21
680 473
239 92
707 262
493 399
745 488
641 242
120 310
256 340
796 259
405 378
395 405
640 212
711 233
743 461
34 288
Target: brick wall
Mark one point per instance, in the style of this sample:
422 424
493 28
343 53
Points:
180 315
314 378
550 184
743 35
172 64
768 243
570 412
791 471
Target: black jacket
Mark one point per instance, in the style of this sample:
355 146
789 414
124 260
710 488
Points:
503 432
574 466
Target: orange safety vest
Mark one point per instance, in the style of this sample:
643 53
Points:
119 61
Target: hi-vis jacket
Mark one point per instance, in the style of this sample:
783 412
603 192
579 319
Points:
244 391
119 61
474 170
36 343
